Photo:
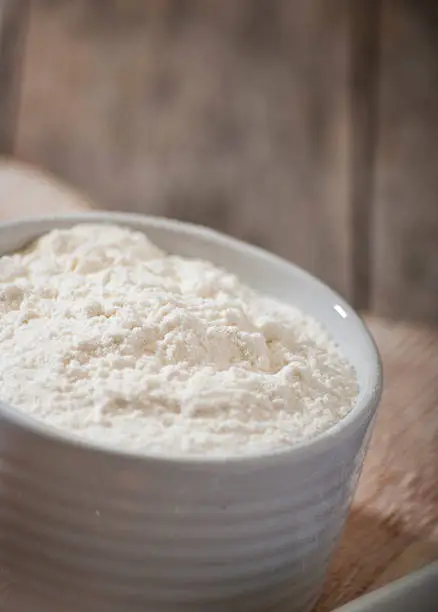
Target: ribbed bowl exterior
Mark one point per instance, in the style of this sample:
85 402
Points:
83 529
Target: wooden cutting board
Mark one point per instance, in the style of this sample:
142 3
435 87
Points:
393 525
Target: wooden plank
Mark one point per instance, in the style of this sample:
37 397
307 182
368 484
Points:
405 251
365 64
393 526
13 25
413 558
230 114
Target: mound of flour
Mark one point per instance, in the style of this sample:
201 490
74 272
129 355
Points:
106 337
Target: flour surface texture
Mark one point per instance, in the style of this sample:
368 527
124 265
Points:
106 337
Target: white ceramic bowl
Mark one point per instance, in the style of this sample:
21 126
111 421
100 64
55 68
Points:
87 529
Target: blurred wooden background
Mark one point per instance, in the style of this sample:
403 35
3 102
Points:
309 127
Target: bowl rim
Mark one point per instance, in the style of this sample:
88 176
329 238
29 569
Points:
363 410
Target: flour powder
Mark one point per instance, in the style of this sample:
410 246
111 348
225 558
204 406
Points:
106 337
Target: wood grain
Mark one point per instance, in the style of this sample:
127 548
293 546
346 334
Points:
365 63
230 114
405 224
13 26
393 525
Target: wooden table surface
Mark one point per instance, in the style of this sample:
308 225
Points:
393 524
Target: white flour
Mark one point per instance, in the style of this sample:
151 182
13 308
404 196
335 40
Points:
104 336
